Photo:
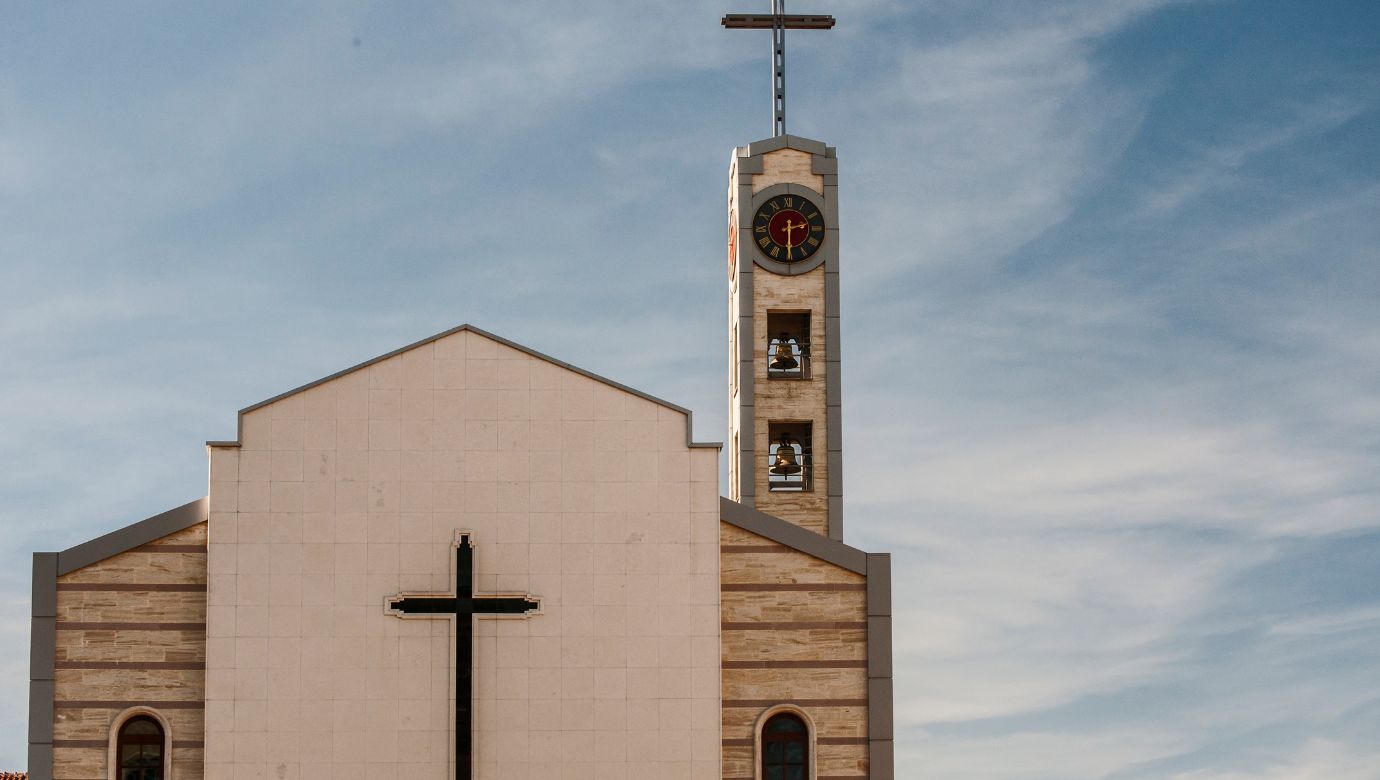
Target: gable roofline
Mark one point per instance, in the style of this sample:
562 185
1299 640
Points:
133 535
793 536
689 415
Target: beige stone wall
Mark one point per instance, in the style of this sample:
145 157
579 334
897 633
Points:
787 166
131 630
734 307
794 631
580 493
780 400
784 400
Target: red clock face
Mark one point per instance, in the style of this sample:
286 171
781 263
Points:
788 228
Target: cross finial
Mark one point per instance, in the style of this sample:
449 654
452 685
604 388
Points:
778 22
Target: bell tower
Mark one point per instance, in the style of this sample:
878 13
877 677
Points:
785 422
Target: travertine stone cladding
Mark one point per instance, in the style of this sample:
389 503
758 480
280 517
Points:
578 492
788 400
131 630
735 335
787 166
794 631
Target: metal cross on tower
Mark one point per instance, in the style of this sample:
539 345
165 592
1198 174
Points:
778 22
462 605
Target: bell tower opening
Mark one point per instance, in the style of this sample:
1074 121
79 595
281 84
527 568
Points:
788 345
790 459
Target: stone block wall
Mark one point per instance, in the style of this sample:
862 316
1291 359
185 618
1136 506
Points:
578 492
794 632
757 289
787 166
131 631
792 400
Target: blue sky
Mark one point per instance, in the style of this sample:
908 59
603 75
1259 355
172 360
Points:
1112 390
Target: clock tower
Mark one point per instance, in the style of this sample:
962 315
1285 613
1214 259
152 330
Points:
785 422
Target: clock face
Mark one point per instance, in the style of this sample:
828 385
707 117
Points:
788 228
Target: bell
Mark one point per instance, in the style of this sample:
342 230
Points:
783 356
785 459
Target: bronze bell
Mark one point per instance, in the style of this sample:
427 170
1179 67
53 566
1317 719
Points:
783 356
785 458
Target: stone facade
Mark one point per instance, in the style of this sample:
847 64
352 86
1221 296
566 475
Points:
131 631
581 493
760 288
803 631
255 623
794 632
787 400
787 166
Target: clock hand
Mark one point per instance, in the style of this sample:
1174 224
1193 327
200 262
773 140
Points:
790 228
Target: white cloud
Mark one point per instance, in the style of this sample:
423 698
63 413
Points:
1069 474
1214 166
989 139
1318 759
1000 621
1328 624
1121 472
1043 755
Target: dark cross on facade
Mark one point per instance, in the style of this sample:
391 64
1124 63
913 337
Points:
462 605
778 22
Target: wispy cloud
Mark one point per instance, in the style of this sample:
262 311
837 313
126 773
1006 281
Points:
1319 759
1215 166
980 142
1107 383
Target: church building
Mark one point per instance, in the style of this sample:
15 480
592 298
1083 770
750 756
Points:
467 559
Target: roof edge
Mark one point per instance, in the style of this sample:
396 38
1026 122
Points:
797 142
792 536
689 415
133 535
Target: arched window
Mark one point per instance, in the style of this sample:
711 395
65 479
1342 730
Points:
139 749
785 748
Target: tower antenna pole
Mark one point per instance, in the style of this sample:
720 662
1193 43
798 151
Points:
778 67
778 22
